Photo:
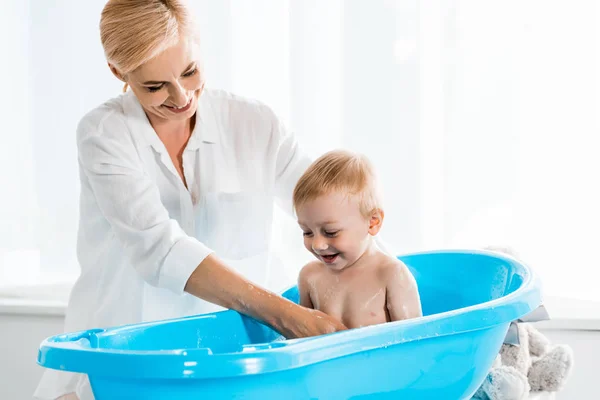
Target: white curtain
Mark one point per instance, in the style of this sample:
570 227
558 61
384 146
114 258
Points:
481 118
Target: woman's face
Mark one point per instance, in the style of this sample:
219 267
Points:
168 86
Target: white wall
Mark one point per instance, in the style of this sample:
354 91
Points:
449 99
20 336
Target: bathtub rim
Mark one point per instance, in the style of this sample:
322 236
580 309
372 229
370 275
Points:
72 352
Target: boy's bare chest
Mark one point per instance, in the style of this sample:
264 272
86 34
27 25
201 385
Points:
356 299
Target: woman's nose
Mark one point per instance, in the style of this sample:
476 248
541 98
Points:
178 94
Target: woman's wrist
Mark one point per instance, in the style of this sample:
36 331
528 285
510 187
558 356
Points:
277 311
264 306
214 281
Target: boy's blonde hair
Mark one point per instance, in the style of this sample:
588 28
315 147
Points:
135 31
340 171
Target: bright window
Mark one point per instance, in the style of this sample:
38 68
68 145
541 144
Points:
480 116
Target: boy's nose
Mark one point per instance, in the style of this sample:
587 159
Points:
319 244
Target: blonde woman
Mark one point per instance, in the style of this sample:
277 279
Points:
177 189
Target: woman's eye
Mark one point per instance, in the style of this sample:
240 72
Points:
153 89
192 72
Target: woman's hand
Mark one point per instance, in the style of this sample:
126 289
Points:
215 282
302 322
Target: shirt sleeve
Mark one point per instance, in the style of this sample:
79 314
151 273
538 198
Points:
291 162
155 245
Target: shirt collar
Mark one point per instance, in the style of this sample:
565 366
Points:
206 129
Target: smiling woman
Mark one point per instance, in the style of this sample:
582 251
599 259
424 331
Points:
168 87
178 184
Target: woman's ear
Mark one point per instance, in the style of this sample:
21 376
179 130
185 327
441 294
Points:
119 76
376 221
116 72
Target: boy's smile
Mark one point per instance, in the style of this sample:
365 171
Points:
330 258
335 231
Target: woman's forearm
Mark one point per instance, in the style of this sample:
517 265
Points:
215 282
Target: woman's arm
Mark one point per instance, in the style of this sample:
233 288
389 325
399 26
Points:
152 242
156 246
219 284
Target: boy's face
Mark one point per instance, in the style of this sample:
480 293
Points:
334 229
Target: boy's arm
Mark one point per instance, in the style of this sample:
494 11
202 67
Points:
402 298
304 286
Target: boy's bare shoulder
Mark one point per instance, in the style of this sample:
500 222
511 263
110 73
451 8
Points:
392 270
310 271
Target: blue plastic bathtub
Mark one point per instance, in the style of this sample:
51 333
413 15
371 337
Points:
468 298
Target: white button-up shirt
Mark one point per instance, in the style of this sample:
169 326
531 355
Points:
142 232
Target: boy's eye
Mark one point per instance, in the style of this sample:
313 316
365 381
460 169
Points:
153 89
306 233
331 233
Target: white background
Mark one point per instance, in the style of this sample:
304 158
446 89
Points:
481 118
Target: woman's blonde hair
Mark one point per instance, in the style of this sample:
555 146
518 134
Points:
340 171
135 31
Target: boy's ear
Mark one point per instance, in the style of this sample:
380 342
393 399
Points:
376 221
